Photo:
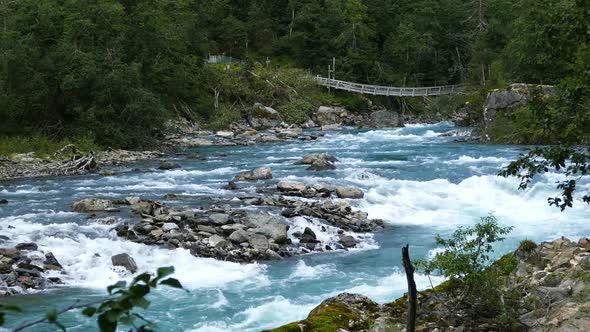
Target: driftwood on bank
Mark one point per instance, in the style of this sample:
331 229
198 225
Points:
412 292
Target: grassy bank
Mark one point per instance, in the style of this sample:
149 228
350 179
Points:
42 146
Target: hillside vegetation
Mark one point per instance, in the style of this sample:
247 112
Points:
114 71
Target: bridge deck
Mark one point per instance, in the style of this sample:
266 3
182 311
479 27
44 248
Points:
388 90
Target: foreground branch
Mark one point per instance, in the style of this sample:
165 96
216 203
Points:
412 292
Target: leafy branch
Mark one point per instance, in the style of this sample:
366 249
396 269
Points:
573 163
117 308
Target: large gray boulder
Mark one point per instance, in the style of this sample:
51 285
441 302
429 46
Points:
270 226
327 116
262 173
264 117
502 100
92 205
259 242
349 192
239 236
261 111
125 261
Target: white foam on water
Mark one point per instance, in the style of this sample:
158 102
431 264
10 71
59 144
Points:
274 312
391 287
445 205
478 160
328 235
304 271
221 300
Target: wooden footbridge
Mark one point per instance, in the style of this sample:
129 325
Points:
378 90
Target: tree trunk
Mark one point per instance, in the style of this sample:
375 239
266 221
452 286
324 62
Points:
412 292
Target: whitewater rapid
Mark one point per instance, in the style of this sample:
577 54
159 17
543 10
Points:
417 181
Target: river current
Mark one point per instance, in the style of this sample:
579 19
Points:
419 182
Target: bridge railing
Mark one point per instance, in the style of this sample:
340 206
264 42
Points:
388 90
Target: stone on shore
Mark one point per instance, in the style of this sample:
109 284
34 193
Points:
349 192
219 218
383 119
262 173
125 261
225 134
92 205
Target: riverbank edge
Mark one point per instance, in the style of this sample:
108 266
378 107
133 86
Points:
69 161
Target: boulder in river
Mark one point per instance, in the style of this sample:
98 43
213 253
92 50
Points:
262 173
291 186
321 165
231 185
308 236
318 161
125 261
26 246
348 241
92 205
3 201
309 159
349 192
259 242
168 165
269 226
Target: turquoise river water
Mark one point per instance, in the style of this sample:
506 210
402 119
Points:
419 182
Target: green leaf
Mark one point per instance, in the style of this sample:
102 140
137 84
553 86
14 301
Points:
138 291
105 324
145 277
120 284
141 302
172 283
51 315
90 311
165 271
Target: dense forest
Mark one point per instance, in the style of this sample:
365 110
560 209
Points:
115 70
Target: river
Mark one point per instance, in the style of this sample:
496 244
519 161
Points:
419 182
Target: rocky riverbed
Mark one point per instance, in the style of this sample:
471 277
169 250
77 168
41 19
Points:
245 228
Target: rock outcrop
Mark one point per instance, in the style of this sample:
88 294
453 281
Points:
507 100
547 285
25 268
